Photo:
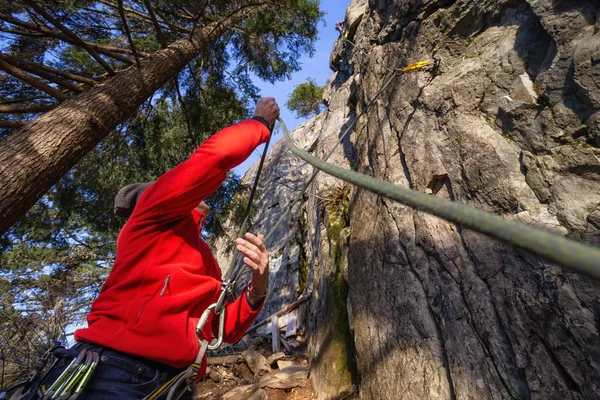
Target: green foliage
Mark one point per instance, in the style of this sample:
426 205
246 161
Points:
270 42
54 261
306 99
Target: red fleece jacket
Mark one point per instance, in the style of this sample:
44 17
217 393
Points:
164 274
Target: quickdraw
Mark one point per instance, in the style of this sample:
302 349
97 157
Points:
69 385
381 59
74 378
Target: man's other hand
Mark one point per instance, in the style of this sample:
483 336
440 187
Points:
268 109
256 257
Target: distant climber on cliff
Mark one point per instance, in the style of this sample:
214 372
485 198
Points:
143 324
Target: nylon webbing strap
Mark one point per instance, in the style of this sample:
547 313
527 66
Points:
552 247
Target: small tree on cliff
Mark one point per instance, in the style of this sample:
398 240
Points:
306 99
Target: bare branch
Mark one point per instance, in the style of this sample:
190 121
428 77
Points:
128 32
184 109
32 68
70 34
24 100
33 81
42 31
144 16
12 124
65 74
171 25
197 18
159 32
33 109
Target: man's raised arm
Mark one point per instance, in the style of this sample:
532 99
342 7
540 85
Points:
181 189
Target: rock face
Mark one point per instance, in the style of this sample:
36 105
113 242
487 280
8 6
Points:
506 120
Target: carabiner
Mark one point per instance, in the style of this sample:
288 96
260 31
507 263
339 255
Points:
204 318
65 391
87 375
66 375
381 59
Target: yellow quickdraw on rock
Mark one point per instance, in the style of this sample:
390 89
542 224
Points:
415 66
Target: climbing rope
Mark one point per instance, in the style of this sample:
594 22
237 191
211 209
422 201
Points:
232 274
298 197
567 253
552 247
228 287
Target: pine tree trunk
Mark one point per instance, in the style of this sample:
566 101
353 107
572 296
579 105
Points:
34 158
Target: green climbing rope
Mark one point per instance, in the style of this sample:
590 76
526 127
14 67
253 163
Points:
549 246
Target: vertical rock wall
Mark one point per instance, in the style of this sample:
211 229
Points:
406 305
504 121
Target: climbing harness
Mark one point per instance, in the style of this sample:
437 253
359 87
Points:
177 386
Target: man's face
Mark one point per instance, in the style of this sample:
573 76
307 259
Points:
203 208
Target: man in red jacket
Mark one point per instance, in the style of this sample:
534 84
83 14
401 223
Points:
143 323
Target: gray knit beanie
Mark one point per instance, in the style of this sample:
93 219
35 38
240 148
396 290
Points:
128 197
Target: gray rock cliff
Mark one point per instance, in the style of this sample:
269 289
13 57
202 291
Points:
506 119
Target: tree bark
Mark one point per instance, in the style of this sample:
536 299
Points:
36 157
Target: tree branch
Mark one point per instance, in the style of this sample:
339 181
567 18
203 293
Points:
144 16
39 31
33 109
159 32
23 100
70 34
184 109
197 18
128 32
32 68
65 74
12 124
65 135
33 81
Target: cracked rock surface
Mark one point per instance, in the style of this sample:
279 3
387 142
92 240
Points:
506 120
499 123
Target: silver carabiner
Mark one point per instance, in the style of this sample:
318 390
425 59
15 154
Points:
204 318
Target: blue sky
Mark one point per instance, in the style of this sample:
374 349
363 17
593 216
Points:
316 68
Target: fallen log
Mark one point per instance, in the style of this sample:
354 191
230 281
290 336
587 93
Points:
233 359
